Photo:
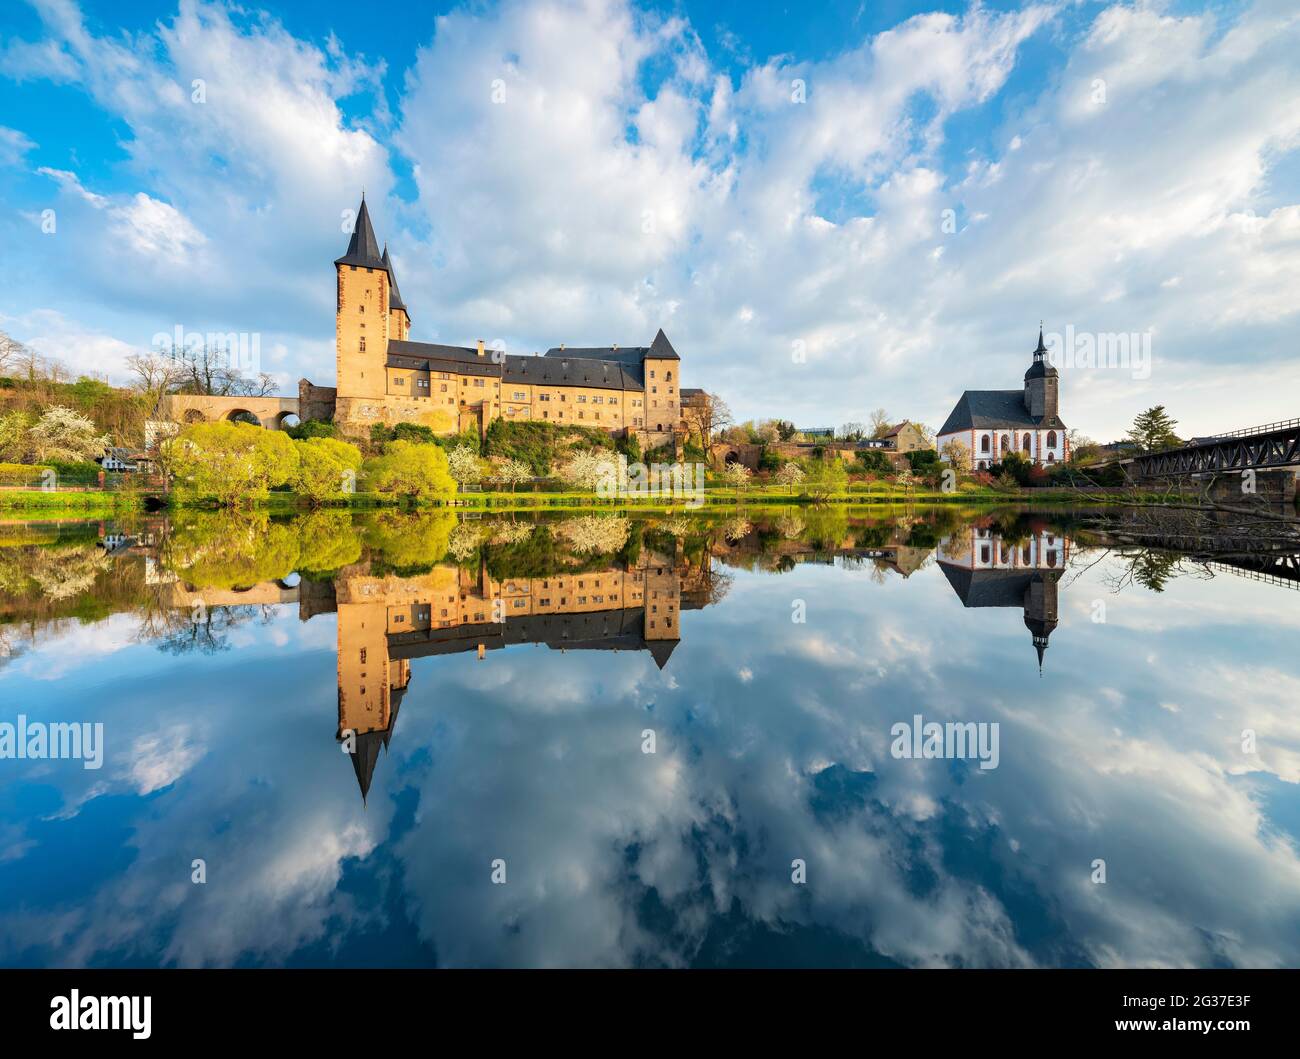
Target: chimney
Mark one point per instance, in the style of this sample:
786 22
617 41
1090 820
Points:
614 347
480 347
561 347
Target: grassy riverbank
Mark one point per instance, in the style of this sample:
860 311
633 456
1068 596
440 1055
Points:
90 502
108 502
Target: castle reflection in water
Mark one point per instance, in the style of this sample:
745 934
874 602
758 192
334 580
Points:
385 620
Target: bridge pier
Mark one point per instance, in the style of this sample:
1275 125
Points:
1277 487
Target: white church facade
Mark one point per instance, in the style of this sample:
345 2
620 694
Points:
991 423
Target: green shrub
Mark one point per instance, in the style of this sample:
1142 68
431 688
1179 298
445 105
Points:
923 461
540 444
874 460
312 428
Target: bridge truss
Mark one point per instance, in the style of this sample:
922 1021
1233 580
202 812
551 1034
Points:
1270 445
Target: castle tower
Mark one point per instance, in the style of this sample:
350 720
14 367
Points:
361 317
399 319
1041 383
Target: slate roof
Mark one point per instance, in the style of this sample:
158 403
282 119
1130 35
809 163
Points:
995 408
363 247
562 370
659 349
394 295
603 630
988 588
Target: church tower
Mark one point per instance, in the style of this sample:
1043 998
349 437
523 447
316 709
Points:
1041 383
361 317
1041 609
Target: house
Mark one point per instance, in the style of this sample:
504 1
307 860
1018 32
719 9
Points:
904 437
117 459
992 423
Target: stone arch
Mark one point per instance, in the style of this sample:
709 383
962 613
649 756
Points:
732 457
282 420
193 415
242 415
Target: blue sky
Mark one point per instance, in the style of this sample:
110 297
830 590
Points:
1110 168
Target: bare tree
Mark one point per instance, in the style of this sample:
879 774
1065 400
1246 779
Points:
10 352
206 369
707 417
880 423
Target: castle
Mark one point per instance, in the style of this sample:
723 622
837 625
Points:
991 423
385 378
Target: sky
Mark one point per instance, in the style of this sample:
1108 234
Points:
828 208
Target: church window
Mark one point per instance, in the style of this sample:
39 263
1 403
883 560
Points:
1051 439
984 443
1006 442
1027 443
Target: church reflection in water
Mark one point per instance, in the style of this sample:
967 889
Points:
986 570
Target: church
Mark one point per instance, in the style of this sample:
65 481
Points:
991 423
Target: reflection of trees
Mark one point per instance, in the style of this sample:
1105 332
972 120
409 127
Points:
206 630
594 533
1152 569
230 549
410 543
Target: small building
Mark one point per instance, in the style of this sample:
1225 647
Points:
117 459
903 437
993 423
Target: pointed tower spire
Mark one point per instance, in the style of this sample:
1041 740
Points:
363 247
394 295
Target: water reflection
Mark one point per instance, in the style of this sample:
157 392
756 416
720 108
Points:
525 660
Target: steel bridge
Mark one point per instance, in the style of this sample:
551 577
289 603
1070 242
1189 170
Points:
1254 448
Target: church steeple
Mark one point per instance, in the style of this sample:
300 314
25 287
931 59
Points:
1041 385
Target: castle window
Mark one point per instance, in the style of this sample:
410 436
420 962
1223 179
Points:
652 374
582 398
668 376
423 384
444 387
361 308
520 395
363 343
399 381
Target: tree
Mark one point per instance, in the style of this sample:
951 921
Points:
789 474
737 475
926 432
594 533
586 470
853 431
231 463
66 436
465 467
15 445
11 351
706 417
153 374
880 423
1081 447
514 472
413 471
327 469
1153 429
206 369
957 454
826 478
